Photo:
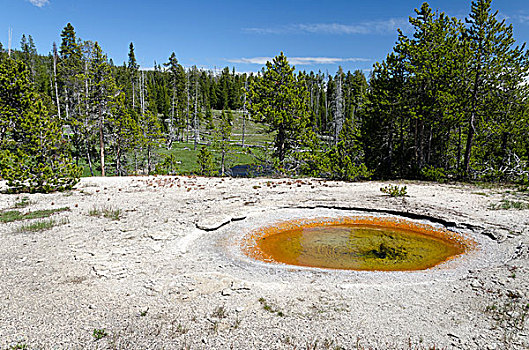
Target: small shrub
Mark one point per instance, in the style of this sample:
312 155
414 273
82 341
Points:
205 162
113 214
99 333
432 173
168 166
395 191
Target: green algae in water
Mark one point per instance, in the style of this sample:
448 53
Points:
354 247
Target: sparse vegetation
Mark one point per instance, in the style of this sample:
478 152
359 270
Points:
19 346
181 329
506 204
99 333
270 308
22 203
220 312
106 212
510 317
42 225
395 190
16 215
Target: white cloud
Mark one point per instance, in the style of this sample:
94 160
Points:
388 26
523 18
300 60
39 3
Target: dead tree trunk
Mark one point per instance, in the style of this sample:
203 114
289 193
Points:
101 142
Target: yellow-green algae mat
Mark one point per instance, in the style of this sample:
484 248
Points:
356 243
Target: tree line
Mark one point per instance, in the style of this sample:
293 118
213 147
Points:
449 102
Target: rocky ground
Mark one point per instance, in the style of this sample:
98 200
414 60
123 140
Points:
168 274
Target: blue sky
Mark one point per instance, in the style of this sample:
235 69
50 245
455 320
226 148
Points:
315 35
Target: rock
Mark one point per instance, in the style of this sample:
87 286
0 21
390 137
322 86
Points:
226 292
239 309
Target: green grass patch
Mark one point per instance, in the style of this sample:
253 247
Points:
41 225
16 215
187 156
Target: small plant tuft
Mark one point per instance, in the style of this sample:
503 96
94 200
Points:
270 308
99 333
22 203
395 190
220 312
181 329
106 212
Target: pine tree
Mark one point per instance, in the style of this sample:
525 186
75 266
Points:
205 162
132 69
123 131
279 99
103 92
432 59
384 120
70 81
495 69
33 155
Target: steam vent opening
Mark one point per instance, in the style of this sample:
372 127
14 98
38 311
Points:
356 243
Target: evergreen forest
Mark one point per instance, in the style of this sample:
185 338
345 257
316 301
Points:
450 102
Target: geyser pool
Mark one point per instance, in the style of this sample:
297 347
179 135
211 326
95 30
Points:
356 243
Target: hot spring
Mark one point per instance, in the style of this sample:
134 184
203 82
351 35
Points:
356 243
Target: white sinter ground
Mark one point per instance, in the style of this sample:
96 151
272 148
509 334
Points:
169 273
